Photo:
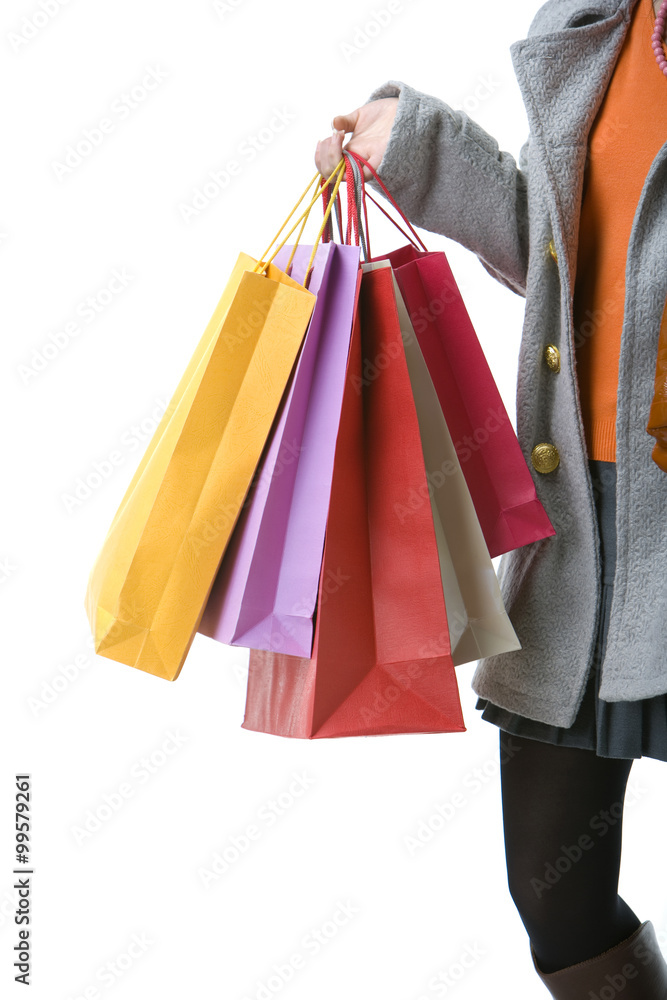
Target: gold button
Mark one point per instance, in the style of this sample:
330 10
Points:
552 357
552 250
545 457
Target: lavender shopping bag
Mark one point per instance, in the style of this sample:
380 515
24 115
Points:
265 593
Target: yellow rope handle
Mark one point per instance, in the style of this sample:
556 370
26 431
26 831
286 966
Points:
318 191
338 174
314 198
290 216
339 178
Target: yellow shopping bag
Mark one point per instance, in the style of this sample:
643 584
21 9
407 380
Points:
150 582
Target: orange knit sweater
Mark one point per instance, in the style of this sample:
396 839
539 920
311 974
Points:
627 134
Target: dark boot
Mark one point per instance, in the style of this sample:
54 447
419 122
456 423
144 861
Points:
632 970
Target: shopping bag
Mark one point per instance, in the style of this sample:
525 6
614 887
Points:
500 482
265 592
149 583
148 587
381 658
498 477
478 623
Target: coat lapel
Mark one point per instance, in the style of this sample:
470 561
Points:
563 75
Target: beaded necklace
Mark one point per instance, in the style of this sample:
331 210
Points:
656 37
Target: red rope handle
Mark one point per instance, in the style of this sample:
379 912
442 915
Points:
352 201
352 219
365 163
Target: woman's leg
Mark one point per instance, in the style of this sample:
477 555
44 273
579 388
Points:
562 817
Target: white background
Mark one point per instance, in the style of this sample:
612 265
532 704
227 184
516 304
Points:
82 724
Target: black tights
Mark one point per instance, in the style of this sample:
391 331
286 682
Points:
562 817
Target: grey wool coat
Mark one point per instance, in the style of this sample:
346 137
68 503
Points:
450 177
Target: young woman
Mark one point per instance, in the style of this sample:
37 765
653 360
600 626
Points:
578 227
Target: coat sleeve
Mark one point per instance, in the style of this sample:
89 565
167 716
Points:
449 176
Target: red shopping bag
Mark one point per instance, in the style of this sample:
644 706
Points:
381 658
500 483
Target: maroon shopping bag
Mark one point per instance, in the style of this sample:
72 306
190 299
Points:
500 483
499 480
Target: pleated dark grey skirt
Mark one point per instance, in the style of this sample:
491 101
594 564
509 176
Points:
628 729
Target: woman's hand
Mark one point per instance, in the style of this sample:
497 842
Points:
370 126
